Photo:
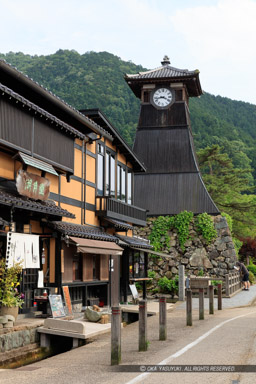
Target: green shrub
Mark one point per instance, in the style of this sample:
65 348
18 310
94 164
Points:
205 226
252 268
251 277
169 285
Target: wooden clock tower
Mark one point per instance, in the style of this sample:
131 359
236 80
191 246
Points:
164 143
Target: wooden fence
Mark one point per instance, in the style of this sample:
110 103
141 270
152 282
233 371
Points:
232 283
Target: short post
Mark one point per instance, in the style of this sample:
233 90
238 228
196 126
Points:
201 303
227 284
162 319
189 307
211 300
220 296
181 283
116 336
143 342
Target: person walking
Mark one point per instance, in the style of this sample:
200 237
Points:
245 275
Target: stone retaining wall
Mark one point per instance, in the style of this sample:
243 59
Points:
18 336
215 259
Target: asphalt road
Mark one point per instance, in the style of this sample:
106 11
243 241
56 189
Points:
225 338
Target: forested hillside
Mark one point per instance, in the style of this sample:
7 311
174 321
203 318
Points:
97 80
224 130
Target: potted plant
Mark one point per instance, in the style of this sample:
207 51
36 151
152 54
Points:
10 297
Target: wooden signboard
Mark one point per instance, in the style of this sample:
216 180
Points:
67 299
134 291
33 186
57 307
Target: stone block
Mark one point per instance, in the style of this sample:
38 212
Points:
168 274
229 253
221 246
184 261
171 263
26 335
65 325
221 224
9 324
207 263
10 318
174 270
227 239
196 260
16 340
214 263
213 254
3 320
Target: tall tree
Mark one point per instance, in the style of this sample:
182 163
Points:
229 187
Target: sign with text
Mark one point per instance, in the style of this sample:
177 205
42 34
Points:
33 186
57 307
67 299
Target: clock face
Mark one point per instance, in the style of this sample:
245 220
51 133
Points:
162 97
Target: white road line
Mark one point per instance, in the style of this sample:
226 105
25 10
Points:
186 348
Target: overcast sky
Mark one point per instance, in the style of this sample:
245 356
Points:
218 37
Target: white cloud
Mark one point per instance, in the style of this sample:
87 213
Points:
215 36
222 39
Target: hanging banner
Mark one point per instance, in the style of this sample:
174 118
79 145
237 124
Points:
33 186
24 249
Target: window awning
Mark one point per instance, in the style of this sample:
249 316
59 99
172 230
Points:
97 246
39 164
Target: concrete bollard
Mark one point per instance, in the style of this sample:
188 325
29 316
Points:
201 303
116 336
162 319
220 296
189 307
211 300
143 342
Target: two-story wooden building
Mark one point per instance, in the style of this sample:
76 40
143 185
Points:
66 195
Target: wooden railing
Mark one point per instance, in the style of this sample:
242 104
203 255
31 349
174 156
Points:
232 282
116 209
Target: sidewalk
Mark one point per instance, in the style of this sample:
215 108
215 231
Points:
90 364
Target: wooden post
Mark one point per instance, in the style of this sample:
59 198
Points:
201 303
181 283
189 307
227 284
116 336
162 319
211 300
143 342
220 296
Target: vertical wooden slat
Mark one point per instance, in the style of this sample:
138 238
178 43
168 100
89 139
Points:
87 267
52 260
104 267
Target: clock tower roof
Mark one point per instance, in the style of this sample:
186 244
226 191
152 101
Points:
166 74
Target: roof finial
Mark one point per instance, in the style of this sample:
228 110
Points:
166 60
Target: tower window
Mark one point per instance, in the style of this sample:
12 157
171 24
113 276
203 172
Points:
146 97
178 95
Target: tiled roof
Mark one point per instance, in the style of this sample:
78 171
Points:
21 75
39 164
163 72
12 199
136 242
78 230
118 224
40 111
